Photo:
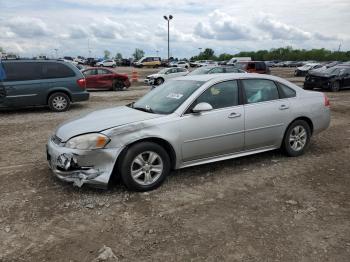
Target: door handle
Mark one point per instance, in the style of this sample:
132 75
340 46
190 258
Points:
283 107
234 115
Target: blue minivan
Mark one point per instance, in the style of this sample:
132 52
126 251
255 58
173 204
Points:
51 83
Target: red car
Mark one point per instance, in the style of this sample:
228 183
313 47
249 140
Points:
104 78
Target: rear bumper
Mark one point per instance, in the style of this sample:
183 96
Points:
78 97
93 167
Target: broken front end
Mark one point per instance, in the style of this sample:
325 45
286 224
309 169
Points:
91 166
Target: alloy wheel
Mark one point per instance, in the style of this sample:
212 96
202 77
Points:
146 168
298 138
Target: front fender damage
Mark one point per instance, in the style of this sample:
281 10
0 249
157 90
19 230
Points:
67 168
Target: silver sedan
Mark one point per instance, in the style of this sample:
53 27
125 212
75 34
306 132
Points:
187 121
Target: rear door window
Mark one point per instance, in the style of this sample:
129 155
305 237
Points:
102 72
22 71
260 90
286 92
55 70
90 72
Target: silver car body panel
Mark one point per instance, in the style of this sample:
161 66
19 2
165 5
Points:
195 138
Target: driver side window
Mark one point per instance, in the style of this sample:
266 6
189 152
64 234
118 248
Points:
220 95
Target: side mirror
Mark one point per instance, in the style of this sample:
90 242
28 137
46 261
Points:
202 107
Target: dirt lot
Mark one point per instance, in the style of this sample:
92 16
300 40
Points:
265 207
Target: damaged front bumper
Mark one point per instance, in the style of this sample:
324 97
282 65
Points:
93 167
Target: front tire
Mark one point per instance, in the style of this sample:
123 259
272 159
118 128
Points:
297 138
145 166
59 102
159 81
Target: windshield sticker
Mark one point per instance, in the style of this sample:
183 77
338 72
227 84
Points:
174 96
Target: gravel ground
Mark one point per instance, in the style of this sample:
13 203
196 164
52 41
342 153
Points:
265 207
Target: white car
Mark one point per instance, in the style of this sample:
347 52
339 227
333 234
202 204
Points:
182 64
165 74
107 63
206 63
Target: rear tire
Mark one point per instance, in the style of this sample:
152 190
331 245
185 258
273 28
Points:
335 87
297 138
144 166
59 102
118 85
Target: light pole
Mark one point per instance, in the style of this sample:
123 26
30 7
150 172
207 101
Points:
168 20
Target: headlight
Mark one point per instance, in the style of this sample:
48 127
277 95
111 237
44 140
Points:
88 141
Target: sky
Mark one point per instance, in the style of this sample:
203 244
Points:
75 27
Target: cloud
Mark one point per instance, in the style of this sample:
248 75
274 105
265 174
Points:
281 31
175 34
278 30
27 27
108 29
78 32
222 26
323 37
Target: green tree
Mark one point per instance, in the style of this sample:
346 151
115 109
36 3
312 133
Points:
106 54
138 54
118 56
207 54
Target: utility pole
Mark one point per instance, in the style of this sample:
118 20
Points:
168 20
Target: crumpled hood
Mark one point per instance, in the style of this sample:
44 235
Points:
101 120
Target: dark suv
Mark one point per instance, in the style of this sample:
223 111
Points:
36 83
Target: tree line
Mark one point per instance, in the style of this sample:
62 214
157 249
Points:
282 53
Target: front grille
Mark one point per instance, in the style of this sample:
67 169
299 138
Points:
56 140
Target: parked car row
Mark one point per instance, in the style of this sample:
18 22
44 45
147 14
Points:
178 70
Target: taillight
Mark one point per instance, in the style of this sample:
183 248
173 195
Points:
326 101
81 83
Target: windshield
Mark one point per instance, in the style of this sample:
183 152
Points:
166 98
163 71
201 71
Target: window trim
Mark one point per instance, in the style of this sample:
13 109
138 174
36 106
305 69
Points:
240 101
